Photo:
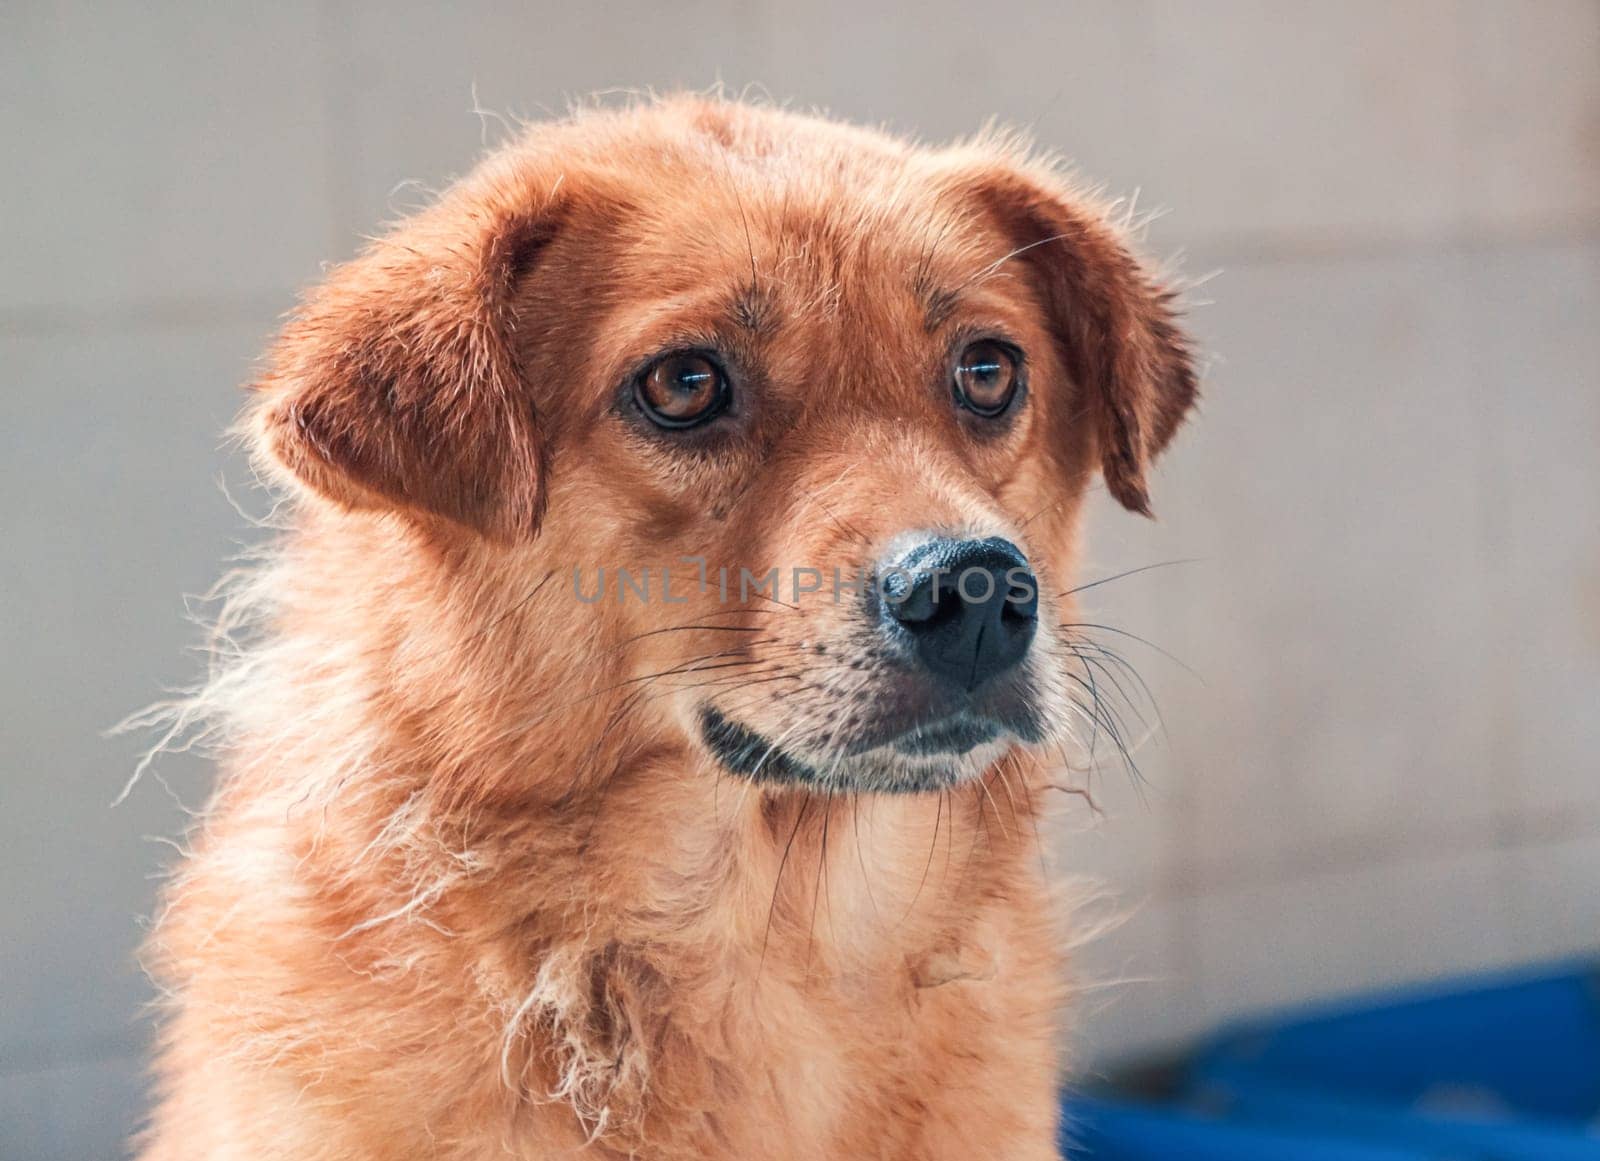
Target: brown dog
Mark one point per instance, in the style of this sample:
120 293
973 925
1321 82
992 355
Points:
554 818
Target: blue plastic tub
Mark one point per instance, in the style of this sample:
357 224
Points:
1503 1070
1096 1130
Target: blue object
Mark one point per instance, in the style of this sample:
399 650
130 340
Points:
1098 1130
1505 1070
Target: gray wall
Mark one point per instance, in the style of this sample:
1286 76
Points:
1387 767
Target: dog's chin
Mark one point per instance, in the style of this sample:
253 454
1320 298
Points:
921 759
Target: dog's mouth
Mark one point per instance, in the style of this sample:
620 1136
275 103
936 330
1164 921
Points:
747 753
926 756
958 735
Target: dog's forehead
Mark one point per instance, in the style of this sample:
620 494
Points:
783 216
778 239
736 177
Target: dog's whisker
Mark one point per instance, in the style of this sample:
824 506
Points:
1097 660
933 845
777 882
1105 716
1070 626
994 267
1126 573
983 784
701 627
861 859
822 871
1040 512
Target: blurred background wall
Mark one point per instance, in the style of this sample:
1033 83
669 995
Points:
1388 766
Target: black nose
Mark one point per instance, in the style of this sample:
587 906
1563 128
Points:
968 607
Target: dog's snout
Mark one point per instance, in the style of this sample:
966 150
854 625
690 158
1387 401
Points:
966 608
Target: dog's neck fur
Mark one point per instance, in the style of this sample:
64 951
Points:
611 957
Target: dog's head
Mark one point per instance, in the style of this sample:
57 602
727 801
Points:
798 418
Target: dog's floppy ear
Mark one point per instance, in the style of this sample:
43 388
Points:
394 386
1116 328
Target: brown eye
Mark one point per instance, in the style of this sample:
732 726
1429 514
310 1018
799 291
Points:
986 378
682 390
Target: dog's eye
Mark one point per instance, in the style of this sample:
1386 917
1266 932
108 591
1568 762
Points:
986 378
682 390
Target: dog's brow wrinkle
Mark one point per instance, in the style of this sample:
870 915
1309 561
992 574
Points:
751 309
938 305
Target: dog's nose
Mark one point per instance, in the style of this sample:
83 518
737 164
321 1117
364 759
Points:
967 608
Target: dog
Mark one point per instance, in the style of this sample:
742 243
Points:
634 741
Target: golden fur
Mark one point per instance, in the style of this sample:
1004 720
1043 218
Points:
471 886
